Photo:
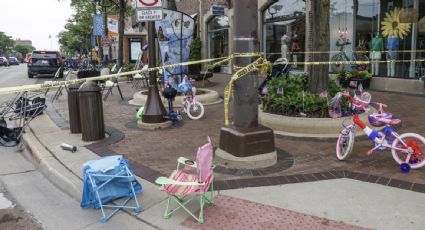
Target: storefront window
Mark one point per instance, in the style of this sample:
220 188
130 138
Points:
341 37
284 26
218 37
390 45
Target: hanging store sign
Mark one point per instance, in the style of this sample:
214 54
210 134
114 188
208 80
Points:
217 10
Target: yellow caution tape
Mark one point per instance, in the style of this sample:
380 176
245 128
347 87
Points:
349 51
229 87
217 61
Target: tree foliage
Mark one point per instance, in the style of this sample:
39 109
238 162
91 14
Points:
6 42
77 34
22 50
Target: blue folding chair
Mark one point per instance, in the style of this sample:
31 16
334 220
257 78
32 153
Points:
108 179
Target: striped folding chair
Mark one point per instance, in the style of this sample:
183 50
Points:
190 183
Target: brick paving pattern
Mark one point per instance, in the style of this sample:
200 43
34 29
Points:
227 214
154 153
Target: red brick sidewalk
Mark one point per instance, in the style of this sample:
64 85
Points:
238 214
158 150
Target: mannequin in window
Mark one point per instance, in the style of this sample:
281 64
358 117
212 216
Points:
392 54
284 45
295 47
376 52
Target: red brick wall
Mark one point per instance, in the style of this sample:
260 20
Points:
192 6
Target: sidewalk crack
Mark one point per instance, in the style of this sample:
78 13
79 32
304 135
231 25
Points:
17 173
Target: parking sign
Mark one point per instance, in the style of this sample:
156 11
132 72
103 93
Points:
148 3
149 10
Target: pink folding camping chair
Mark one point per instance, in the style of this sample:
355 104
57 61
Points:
191 182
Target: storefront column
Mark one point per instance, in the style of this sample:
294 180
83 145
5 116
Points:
412 72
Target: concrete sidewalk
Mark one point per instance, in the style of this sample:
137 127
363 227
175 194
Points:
327 204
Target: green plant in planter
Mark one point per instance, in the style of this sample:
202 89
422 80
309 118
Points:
127 67
365 74
290 96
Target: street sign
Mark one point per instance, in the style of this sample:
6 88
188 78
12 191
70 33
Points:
149 14
217 10
148 3
106 41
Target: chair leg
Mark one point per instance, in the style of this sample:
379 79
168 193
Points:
201 212
119 91
166 214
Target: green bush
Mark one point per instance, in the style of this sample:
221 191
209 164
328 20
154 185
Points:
349 74
128 67
296 97
195 50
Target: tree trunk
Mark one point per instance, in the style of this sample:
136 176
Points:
320 24
121 25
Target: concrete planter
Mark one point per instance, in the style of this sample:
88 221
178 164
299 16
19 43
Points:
205 96
307 127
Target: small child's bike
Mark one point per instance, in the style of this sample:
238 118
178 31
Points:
407 149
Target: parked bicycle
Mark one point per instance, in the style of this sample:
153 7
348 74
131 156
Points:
341 57
407 149
192 107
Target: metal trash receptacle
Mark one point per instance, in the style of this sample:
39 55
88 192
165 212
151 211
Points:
91 112
73 108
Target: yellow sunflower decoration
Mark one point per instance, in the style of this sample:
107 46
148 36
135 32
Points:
391 26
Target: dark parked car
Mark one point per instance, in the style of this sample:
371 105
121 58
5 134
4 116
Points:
13 61
4 61
45 63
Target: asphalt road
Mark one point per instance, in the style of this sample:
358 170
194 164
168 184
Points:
13 215
14 76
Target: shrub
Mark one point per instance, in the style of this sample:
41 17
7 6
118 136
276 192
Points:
290 96
195 49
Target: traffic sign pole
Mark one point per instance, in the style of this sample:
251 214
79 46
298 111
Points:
154 111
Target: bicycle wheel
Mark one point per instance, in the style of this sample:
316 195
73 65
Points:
409 142
337 67
195 110
345 143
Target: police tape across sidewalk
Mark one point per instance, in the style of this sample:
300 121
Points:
217 61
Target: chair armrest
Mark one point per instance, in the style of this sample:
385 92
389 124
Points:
185 161
166 180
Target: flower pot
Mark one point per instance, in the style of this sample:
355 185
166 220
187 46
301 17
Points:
344 83
366 83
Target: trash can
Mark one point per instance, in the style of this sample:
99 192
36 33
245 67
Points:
91 112
73 108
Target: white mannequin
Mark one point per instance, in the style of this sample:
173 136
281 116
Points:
284 45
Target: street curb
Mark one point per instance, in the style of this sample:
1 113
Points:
51 168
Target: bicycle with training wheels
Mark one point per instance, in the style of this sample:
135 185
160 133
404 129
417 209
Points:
341 57
191 106
408 149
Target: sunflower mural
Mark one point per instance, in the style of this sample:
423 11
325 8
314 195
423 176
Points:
391 26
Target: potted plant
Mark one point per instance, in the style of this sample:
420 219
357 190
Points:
213 68
365 76
195 55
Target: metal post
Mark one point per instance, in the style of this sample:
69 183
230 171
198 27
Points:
154 109
246 138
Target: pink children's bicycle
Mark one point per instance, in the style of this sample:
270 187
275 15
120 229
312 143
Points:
407 149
